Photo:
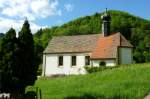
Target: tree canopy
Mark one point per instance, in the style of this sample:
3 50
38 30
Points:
7 60
26 59
1 35
17 60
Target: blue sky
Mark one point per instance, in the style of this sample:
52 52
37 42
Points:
47 13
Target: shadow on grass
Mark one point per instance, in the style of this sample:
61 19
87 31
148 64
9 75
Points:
89 96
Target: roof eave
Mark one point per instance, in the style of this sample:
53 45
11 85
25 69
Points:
127 46
65 52
101 58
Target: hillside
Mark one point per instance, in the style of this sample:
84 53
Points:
135 29
124 82
1 35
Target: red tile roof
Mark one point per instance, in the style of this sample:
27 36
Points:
107 46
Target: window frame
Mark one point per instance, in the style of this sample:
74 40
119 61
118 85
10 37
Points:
60 61
87 60
73 61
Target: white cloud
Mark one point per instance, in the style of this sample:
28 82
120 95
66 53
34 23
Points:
41 8
33 9
6 24
13 13
69 7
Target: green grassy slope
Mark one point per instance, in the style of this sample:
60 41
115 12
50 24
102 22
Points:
126 82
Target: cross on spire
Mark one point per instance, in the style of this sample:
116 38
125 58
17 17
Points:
106 10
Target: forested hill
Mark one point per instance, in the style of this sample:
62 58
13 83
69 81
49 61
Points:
134 28
1 35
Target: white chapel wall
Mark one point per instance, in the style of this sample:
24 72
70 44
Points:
125 55
52 68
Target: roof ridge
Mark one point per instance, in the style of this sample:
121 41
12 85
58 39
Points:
76 35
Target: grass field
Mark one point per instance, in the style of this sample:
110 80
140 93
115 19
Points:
125 82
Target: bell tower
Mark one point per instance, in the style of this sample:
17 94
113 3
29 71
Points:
106 23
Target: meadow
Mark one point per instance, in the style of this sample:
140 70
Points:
124 82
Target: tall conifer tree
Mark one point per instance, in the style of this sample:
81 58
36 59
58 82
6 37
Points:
7 60
27 69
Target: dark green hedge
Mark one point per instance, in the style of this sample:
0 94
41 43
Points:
91 69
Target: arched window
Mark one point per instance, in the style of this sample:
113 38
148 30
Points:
102 63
